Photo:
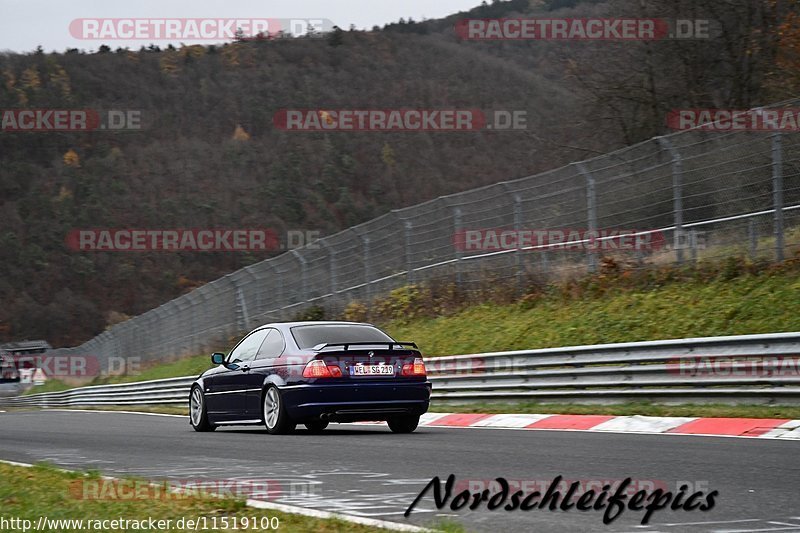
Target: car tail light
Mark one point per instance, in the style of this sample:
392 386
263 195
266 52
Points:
417 368
318 369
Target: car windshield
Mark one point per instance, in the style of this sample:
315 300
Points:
312 335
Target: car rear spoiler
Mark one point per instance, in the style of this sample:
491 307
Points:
347 345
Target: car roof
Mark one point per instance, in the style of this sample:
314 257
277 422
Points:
313 323
284 327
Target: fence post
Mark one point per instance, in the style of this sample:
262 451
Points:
518 231
303 274
591 211
677 198
242 317
407 227
331 266
753 237
777 193
459 254
367 274
278 298
256 294
194 320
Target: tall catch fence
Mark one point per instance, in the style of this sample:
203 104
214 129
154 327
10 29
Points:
674 199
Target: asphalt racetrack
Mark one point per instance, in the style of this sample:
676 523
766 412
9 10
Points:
366 470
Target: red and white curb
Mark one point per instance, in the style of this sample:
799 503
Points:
770 428
764 428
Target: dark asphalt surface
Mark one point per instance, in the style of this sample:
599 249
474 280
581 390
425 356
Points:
368 471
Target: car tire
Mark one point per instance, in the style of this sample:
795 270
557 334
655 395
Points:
403 424
198 413
276 419
316 426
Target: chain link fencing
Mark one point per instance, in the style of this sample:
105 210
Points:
675 199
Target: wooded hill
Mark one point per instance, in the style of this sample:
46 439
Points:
208 154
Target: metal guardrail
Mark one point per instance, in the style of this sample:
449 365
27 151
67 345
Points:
734 369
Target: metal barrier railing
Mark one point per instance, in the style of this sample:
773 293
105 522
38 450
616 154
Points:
744 368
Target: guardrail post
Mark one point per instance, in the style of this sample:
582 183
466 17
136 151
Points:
591 214
777 193
752 234
459 253
407 227
679 239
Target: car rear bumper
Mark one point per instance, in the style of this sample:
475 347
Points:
351 403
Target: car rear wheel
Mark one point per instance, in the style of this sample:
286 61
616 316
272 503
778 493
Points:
403 424
276 419
316 426
198 415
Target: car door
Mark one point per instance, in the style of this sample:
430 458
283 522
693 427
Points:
227 393
262 367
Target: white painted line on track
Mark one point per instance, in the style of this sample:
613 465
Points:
14 463
115 412
795 528
740 521
313 513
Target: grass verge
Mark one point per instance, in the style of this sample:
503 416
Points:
746 304
29 493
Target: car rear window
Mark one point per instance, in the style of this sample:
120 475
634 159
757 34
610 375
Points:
310 336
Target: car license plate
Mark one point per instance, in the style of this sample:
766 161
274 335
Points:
372 370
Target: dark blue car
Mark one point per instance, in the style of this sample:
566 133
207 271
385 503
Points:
312 373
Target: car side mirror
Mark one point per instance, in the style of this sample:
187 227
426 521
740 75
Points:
217 358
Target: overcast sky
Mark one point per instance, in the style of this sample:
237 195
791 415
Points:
26 24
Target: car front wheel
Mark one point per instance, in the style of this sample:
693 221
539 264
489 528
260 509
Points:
198 415
403 424
276 419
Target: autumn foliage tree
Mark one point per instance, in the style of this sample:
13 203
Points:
209 154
